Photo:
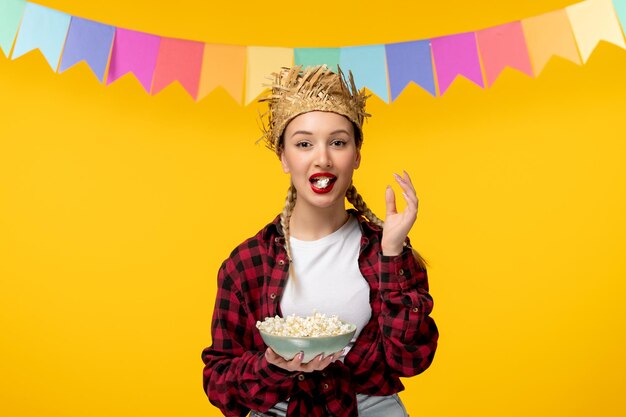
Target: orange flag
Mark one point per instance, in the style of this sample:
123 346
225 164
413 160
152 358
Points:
179 60
224 65
550 34
503 46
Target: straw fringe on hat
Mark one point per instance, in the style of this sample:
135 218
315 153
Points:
295 91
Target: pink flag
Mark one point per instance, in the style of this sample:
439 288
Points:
456 55
178 60
503 46
134 52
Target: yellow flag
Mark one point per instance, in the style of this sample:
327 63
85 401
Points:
262 61
594 21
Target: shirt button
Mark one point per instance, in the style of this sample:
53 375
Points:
415 309
281 262
325 386
273 295
301 377
401 272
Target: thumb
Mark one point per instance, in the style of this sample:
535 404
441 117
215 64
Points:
390 200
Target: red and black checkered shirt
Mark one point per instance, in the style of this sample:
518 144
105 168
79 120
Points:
399 340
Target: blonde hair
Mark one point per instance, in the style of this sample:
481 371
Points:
285 216
353 196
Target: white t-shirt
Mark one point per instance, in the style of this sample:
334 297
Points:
327 278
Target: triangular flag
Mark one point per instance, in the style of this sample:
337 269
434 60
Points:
134 52
262 62
410 61
45 29
179 60
549 34
89 41
620 8
594 21
223 65
456 55
503 46
308 57
369 67
11 12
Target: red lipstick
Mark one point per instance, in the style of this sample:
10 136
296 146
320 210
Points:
322 182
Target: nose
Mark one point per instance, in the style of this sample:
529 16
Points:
323 158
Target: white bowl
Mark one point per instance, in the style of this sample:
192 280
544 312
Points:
290 346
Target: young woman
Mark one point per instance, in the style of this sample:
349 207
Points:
317 256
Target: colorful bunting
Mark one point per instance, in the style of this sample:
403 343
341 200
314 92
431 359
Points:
433 64
178 60
410 61
368 65
456 55
223 65
594 21
547 35
10 15
89 41
42 28
503 46
317 56
262 61
134 52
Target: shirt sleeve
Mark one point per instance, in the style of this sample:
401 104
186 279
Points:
409 334
236 376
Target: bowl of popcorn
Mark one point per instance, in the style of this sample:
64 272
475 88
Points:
311 335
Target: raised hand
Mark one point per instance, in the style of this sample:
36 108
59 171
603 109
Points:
398 225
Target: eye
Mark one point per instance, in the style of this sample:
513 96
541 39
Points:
339 143
303 144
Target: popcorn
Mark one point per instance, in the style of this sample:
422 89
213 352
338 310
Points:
312 326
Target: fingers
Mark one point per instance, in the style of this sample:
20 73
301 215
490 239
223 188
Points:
405 176
295 365
319 362
408 191
273 358
390 200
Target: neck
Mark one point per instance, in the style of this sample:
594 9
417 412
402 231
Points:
312 223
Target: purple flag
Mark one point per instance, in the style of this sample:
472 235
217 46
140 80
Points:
90 41
456 55
410 61
134 52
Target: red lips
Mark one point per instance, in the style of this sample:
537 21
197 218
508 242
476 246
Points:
314 180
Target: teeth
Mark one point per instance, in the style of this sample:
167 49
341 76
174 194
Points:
322 182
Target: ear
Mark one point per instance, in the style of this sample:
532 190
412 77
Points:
357 160
283 162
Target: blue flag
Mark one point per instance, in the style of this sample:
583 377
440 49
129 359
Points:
90 41
368 66
410 61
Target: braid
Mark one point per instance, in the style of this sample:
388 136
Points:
285 216
357 201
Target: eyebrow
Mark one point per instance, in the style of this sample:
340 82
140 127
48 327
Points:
306 132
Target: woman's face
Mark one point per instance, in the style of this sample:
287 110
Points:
320 153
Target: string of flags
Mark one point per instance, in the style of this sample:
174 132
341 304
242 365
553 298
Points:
385 69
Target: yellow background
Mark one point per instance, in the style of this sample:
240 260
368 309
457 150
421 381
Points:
117 208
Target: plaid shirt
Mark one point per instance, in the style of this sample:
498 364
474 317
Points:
399 340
